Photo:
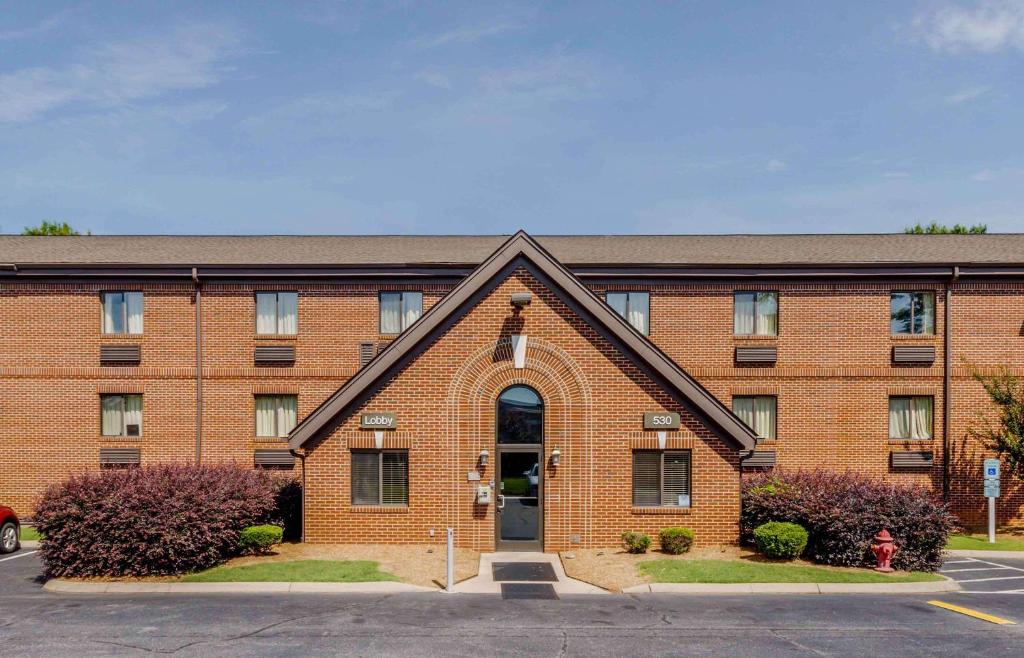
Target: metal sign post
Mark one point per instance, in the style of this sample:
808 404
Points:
451 561
991 471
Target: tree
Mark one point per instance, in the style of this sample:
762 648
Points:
1007 436
936 228
50 228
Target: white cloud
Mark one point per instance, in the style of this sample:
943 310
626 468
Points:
42 27
555 78
111 75
988 26
966 95
896 174
469 33
435 78
983 175
775 165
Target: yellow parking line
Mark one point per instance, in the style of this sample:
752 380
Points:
972 613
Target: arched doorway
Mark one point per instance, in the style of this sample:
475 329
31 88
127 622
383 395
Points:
519 437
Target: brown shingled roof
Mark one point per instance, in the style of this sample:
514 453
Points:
736 250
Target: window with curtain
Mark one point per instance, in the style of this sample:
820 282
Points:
661 478
635 307
122 312
277 313
398 310
912 313
276 415
380 477
910 417
755 314
758 412
121 415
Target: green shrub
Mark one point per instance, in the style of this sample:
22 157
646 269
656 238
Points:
636 542
260 538
676 541
781 540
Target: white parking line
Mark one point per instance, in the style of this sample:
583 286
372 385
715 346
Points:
15 557
996 564
985 580
974 569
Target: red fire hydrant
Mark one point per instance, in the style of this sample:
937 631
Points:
884 549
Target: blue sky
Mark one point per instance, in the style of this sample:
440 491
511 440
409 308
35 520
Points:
403 117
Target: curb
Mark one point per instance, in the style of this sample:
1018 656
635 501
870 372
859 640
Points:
60 585
1004 555
30 543
947 585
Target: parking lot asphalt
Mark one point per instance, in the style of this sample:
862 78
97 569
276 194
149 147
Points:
34 622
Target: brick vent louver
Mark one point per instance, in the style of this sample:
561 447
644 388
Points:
275 355
274 458
119 456
760 459
913 459
120 353
756 355
913 354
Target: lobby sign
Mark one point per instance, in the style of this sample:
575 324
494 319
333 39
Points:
661 420
379 420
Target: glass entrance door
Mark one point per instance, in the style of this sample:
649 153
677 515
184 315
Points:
518 500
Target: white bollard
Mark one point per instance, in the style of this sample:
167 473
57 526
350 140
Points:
451 561
991 520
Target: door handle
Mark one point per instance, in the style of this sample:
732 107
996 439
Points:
501 502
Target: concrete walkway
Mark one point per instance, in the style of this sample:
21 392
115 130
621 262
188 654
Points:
101 587
1004 555
484 582
946 585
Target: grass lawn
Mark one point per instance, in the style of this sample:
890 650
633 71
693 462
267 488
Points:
980 543
744 571
29 533
298 571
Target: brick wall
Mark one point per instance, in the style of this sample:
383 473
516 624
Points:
832 378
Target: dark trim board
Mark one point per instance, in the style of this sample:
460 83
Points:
522 251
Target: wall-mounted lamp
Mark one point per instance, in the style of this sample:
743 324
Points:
521 299
484 457
556 456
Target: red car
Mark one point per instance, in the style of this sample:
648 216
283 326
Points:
10 530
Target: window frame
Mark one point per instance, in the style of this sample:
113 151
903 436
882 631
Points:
124 426
277 414
401 314
661 477
935 319
775 416
629 305
380 476
931 427
755 293
124 312
277 312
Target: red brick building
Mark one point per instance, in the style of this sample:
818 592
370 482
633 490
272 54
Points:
528 394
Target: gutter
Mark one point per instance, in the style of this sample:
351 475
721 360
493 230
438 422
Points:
947 376
199 365
301 454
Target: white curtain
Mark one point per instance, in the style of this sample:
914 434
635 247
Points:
266 415
927 322
639 310
133 309
390 313
133 413
286 414
910 417
619 302
266 313
412 308
111 415
767 314
287 312
113 313
758 412
743 314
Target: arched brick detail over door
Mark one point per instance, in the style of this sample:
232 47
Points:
568 492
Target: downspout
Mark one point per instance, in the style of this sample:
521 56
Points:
302 460
199 365
947 376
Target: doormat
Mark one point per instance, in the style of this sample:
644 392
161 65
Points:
527 591
531 571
